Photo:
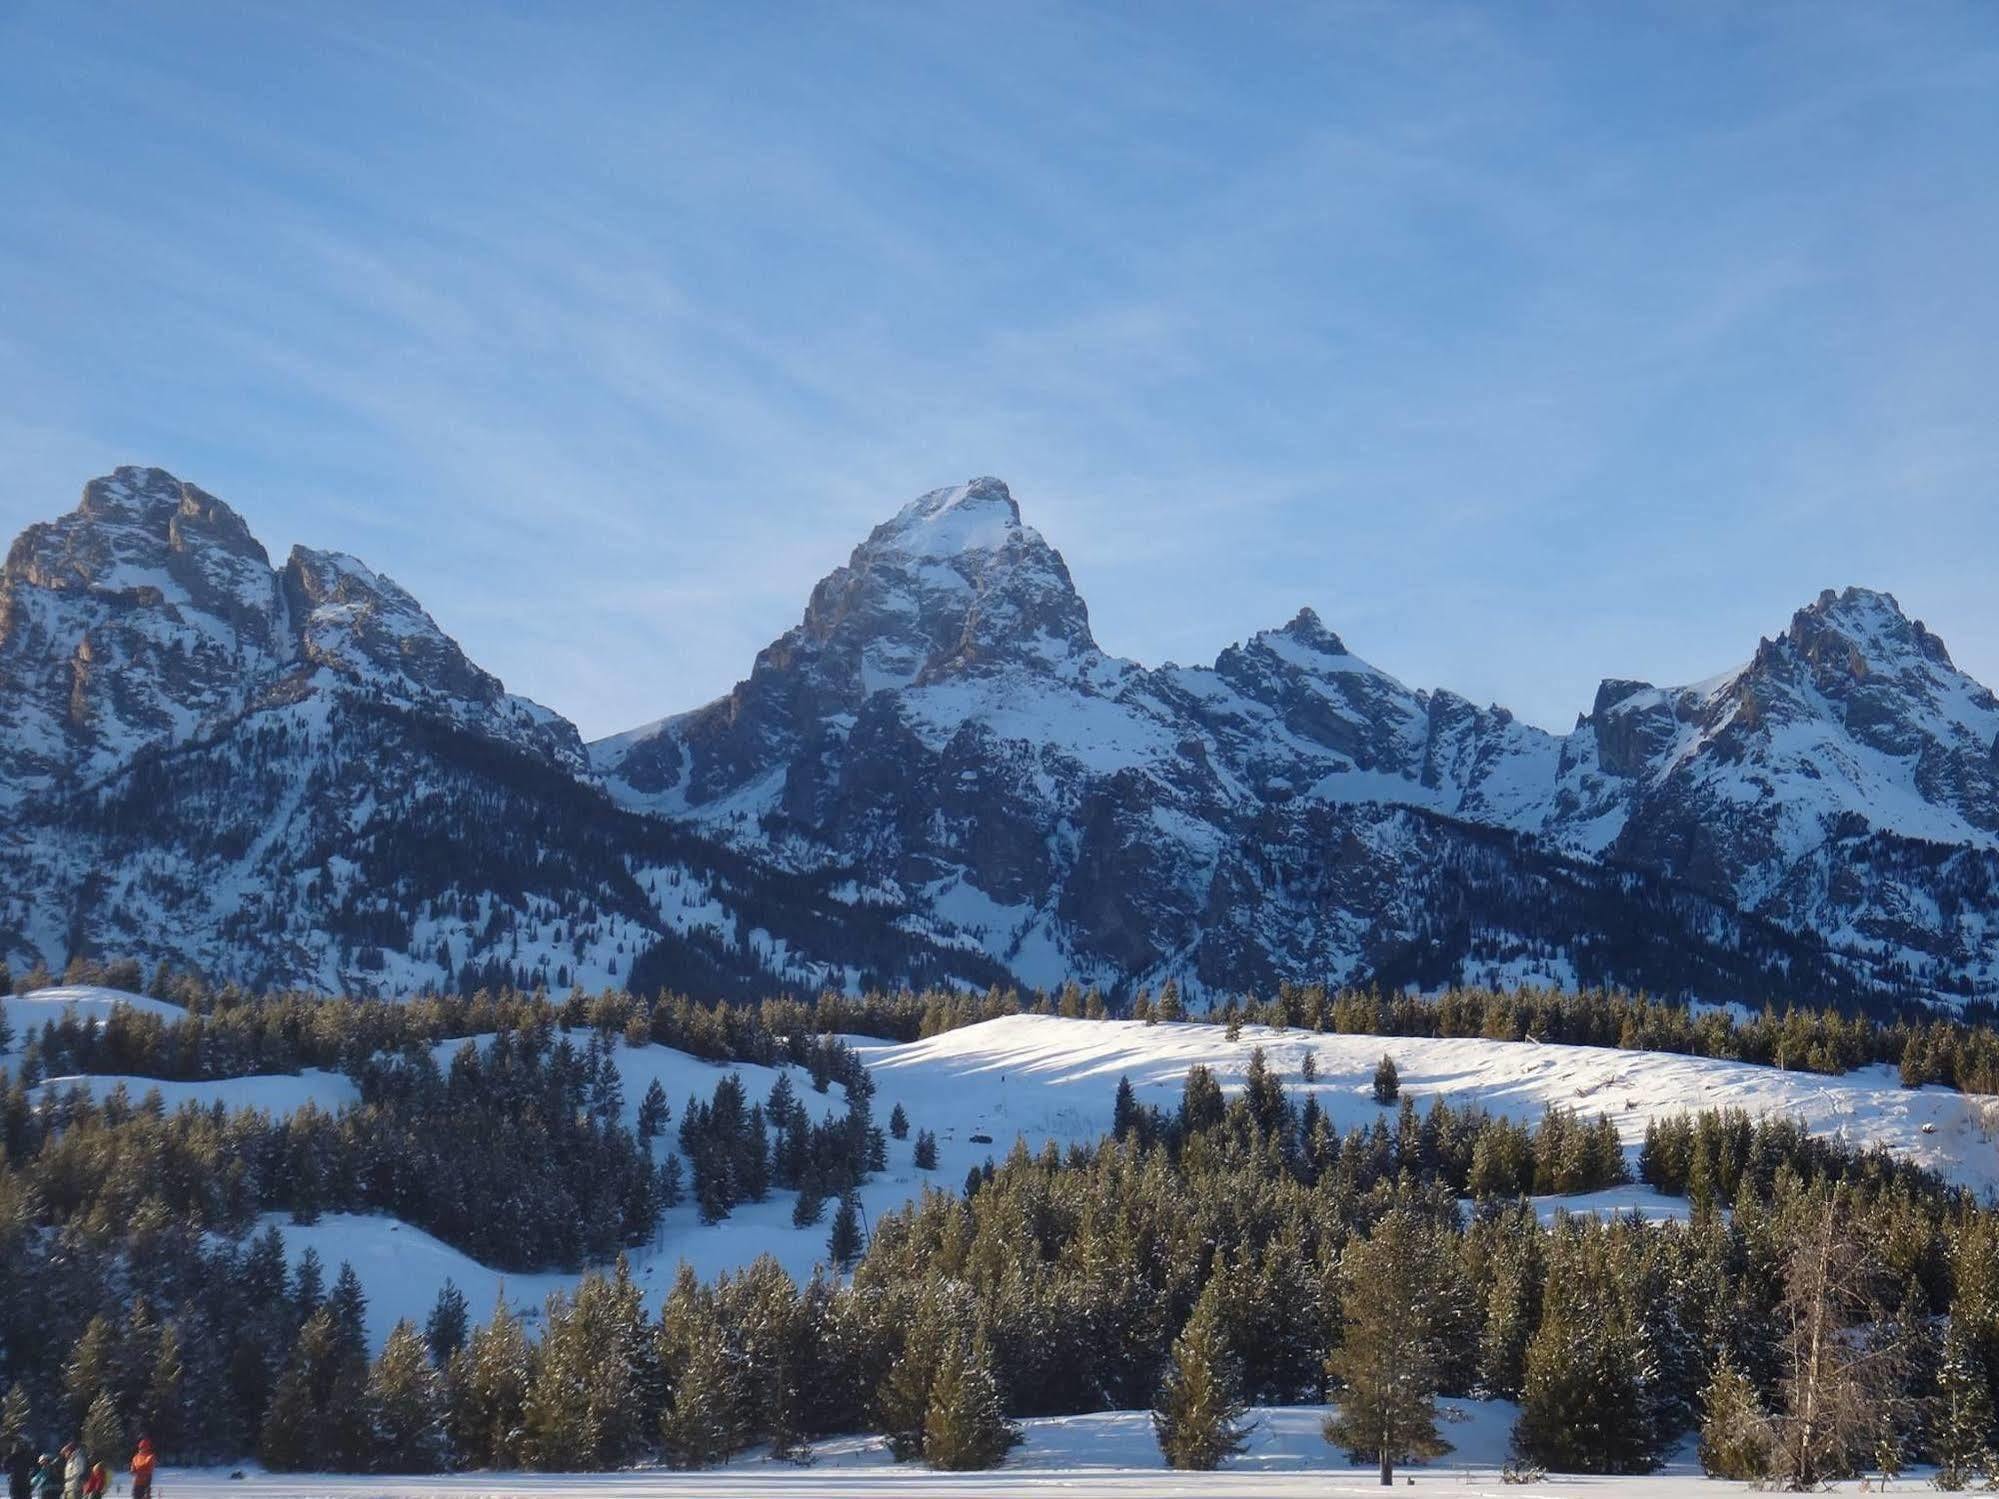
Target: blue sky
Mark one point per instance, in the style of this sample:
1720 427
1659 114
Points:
1528 344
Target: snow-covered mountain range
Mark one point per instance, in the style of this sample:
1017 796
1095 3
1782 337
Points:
293 775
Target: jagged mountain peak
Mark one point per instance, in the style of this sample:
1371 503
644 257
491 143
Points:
1863 630
980 515
954 582
150 617
1309 630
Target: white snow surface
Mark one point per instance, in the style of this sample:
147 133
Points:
37 1008
1111 1453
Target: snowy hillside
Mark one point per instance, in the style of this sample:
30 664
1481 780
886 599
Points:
1040 1079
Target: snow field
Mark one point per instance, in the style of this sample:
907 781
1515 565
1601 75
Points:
1109 1455
1048 1078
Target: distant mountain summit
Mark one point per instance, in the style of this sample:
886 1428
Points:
291 774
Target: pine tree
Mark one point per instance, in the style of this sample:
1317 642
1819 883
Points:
701 1424
965 1425
406 1406
162 1412
349 1305
1124 1110
1386 1365
92 1365
103 1430
1197 1416
1961 1414
1735 1430
17 1418
488 1391
1583 1399
926 1151
445 1328
288 1437
655 1113
308 1286
898 1123
843 1245
1387 1082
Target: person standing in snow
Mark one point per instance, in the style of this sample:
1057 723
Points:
142 1470
48 1479
20 1471
73 1469
93 1485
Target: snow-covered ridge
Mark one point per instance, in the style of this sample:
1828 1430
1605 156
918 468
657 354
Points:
941 720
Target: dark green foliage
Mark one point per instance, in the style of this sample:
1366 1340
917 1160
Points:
444 1331
965 1425
1198 1414
843 1245
406 1408
1387 1082
1386 1369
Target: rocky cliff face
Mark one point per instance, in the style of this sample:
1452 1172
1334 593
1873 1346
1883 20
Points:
150 617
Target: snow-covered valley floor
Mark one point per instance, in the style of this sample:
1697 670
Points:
1081 1457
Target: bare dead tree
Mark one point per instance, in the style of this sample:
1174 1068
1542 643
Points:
1838 1384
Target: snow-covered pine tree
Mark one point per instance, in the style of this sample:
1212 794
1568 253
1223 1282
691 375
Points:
17 1418
700 1426
160 1411
1584 1402
103 1432
1387 1082
965 1426
843 1244
1735 1437
1961 1416
488 1392
444 1330
406 1408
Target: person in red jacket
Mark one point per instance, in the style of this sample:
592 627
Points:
93 1486
142 1470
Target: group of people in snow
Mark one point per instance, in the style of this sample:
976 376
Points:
70 1474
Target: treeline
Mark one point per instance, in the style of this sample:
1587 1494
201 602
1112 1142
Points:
1960 1054
229 1033
515 1152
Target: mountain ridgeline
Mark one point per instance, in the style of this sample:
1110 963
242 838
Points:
290 776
